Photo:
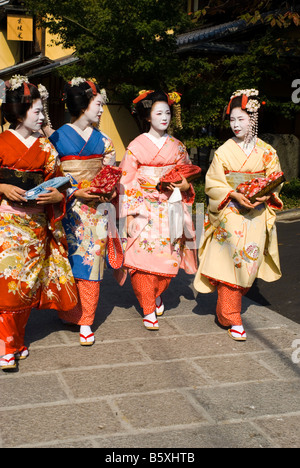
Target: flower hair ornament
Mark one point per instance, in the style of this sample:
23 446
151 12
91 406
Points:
91 91
16 82
250 104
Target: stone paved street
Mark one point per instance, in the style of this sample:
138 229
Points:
187 386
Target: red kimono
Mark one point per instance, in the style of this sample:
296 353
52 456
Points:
34 268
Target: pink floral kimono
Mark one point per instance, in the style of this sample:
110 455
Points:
152 248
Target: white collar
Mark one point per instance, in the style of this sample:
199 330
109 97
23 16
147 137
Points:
27 141
159 142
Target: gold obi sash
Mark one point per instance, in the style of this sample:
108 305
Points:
81 168
236 178
149 176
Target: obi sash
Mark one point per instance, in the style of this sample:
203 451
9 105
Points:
236 178
25 180
149 176
82 167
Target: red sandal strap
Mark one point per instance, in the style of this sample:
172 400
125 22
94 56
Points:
236 331
152 323
7 360
86 337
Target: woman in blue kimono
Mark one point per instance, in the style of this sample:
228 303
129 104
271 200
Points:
83 151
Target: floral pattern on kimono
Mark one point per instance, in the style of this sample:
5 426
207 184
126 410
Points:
238 245
149 247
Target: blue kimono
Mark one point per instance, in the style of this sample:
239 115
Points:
85 223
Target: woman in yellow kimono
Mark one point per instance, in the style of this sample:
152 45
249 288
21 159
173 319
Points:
239 243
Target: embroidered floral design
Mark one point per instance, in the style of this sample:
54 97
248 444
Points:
250 252
237 260
221 235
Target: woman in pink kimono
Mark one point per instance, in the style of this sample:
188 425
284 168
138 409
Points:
158 223
240 240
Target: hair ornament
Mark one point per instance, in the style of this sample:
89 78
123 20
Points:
44 96
174 99
77 81
250 102
142 95
16 82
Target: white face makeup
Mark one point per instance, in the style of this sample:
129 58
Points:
160 117
34 118
239 123
95 110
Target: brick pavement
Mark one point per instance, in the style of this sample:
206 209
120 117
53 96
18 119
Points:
187 386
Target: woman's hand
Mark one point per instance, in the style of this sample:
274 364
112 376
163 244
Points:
242 200
129 219
52 196
183 186
86 195
261 200
13 193
106 198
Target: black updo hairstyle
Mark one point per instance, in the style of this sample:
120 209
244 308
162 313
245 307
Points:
79 97
236 102
17 104
143 108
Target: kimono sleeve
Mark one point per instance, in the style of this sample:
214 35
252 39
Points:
109 158
189 196
131 195
272 164
53 169
216 186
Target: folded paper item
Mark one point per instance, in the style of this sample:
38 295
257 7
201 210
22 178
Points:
60 183
261 186
189 171
176 215
105 181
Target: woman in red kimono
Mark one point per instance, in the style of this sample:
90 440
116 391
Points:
34 269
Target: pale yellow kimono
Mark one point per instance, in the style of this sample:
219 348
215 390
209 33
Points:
238 245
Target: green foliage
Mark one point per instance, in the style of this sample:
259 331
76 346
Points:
119 42
290 194
131 45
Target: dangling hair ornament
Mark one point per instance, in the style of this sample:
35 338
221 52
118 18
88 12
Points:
174 99
44 96
250 104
